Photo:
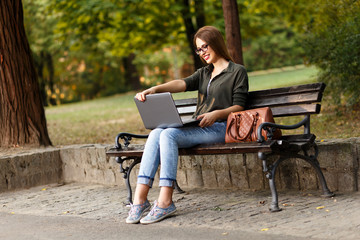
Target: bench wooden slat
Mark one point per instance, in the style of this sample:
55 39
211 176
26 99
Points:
315 87
229 148
296 110
290 99
136 150
185 102
186 110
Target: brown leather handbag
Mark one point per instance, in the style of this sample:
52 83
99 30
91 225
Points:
242 126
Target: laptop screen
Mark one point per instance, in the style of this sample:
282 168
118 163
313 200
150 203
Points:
159 111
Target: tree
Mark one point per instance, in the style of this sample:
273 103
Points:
97 45
39 27
331 41
232 30
117 29
191 29
334 46
22 115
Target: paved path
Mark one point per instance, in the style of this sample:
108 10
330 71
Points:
84 211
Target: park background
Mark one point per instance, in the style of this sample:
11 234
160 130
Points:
92 56
87 58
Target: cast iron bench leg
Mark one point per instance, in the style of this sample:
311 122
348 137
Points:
127 180
313 162
274 207
178 189
271 171
270 174
127 172
312 159
326 192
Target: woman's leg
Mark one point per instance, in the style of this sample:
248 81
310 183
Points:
148 167
149 164
165 197
141 193
171 139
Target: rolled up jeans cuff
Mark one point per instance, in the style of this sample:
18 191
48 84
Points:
145 180
167 182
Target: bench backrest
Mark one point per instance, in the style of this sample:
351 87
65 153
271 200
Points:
287 101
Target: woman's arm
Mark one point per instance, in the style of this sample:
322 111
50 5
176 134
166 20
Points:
173 86
208 119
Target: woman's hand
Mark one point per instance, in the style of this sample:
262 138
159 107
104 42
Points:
207 119
141 96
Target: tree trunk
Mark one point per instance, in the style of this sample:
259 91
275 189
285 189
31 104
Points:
131 73
50 67
232 30
190 29
39 66
22 115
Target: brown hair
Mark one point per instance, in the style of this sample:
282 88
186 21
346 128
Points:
212 36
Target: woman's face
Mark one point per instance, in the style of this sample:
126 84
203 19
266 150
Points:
205 51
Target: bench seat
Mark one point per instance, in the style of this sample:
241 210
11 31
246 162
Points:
294 142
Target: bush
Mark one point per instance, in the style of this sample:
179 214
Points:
276 49
335 49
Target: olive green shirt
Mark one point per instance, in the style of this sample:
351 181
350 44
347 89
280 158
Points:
227 89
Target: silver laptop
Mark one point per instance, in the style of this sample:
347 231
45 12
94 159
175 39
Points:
159 111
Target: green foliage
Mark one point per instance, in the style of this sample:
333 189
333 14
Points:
88 41
161 66
268 42
279 48
330 40
296 12
335 48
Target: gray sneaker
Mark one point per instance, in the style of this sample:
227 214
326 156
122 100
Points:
157 214
137 211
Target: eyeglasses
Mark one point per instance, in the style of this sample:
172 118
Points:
204 48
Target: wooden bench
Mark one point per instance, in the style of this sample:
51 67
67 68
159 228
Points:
289 101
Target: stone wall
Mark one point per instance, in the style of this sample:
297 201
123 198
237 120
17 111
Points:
339 160
30 169
88 163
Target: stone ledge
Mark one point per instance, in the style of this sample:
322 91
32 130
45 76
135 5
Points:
32 168
339 160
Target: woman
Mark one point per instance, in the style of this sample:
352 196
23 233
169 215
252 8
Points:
222 88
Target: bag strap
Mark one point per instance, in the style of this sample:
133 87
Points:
237 119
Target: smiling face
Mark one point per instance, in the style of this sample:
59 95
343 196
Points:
209 55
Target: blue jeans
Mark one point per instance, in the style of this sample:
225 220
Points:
163 146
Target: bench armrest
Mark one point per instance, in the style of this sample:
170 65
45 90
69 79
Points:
127 137
271 127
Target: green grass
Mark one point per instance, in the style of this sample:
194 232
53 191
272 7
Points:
96 121
100 120
278 78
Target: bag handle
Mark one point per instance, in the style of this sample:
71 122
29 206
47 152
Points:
237 120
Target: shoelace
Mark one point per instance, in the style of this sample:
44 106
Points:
133 208
152 212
